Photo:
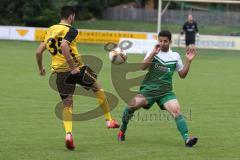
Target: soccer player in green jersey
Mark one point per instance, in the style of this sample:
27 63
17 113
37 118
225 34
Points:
161 63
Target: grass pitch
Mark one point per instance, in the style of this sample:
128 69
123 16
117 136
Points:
209 98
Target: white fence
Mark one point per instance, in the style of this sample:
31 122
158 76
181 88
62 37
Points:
104 36
17 33
227 18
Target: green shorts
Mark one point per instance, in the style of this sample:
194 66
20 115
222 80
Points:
160 100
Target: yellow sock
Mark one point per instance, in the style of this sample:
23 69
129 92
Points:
102 101
67 118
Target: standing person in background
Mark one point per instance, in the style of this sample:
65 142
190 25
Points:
190 29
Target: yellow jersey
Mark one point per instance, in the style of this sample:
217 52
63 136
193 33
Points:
53 39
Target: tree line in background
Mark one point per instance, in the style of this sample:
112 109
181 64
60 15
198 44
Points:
42 13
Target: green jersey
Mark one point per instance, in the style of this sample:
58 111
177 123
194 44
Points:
158 80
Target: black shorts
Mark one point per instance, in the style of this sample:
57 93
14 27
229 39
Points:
189 41
66 81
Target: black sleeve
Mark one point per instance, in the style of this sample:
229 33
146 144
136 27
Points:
196 26
184 27
71 35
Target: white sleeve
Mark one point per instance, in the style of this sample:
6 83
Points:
148 53
179 65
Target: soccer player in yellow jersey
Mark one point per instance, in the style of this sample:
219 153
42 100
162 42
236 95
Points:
60 40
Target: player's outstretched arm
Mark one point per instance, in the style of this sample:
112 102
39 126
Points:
147 61
190 54
39 55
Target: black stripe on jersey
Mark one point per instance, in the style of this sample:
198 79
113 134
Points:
71 35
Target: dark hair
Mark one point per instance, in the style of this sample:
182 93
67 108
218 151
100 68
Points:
66 11
165 34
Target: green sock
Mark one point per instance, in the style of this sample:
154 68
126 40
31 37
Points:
182 126
127 115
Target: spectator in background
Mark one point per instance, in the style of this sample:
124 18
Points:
190 29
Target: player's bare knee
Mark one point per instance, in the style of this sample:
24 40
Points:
68 101
96 87
132 104
137 102
176 112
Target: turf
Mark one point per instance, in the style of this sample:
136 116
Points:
209 98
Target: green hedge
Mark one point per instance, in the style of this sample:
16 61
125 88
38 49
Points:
43 13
